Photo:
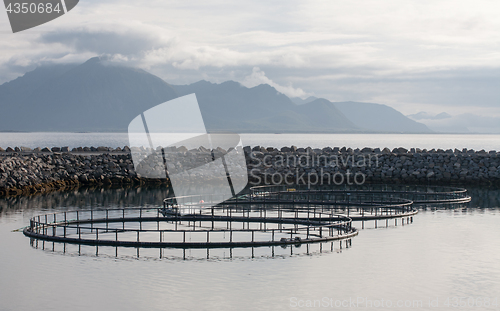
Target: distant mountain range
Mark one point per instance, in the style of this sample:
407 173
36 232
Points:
99 97
422 115
380 118
465 123
229 106
373 117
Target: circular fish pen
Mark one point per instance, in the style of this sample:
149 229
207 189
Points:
265 217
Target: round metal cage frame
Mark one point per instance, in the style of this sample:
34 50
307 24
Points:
264 216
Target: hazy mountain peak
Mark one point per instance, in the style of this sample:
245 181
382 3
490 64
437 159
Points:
300 101
379 118
231 83
93 60
422 115
264 86
322 101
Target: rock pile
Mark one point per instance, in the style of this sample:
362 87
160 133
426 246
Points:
414 166
25 171
41 172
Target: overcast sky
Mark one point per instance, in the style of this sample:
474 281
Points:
419 55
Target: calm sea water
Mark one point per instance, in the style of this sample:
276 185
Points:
427 141
444 254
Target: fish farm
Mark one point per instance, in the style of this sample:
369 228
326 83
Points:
266 220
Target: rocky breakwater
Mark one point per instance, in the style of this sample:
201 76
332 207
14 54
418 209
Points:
26 171
337 166
189 166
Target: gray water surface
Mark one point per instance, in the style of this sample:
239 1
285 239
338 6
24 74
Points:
422 141
445 253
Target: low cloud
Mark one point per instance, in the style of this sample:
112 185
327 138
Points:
259 77
119 41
